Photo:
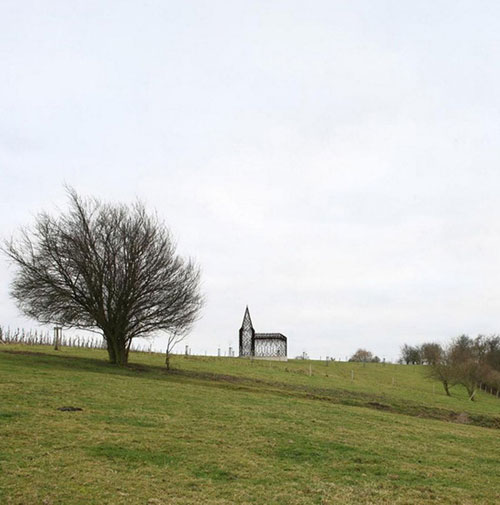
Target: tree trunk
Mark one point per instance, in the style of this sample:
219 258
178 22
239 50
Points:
122 355
167 360
111 351
446 388
117 350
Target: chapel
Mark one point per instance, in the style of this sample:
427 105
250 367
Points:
271 346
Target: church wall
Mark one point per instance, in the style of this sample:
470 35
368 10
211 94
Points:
270 348
271 358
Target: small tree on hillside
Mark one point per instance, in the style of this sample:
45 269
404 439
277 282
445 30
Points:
443 370
174 338
469 374
492 351
364 356
411 355
107 267
431 353
468 360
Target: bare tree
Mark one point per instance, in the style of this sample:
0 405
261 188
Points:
442 369
411 355
431 353
469 374
174 338
469 361
107 267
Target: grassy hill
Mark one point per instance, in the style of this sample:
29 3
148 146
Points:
229 431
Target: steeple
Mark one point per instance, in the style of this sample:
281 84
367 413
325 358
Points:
247 320
247 335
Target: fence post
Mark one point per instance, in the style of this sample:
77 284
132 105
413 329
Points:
57 334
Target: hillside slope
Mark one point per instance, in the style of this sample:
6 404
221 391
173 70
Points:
226 431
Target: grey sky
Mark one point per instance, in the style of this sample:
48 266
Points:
335 165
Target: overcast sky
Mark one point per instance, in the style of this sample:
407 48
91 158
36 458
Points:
332 164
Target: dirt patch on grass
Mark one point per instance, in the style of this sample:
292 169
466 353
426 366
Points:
379 406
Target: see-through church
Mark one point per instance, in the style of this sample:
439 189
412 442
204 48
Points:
272 346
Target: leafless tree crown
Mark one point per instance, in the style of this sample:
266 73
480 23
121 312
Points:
104 266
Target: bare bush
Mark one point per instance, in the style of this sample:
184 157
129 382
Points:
364 356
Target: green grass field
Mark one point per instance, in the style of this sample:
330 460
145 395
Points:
229 431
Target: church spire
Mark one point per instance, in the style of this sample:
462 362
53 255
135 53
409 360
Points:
247 335
247 321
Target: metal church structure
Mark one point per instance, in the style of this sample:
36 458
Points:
271 346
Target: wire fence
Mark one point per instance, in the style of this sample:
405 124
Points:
46 337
